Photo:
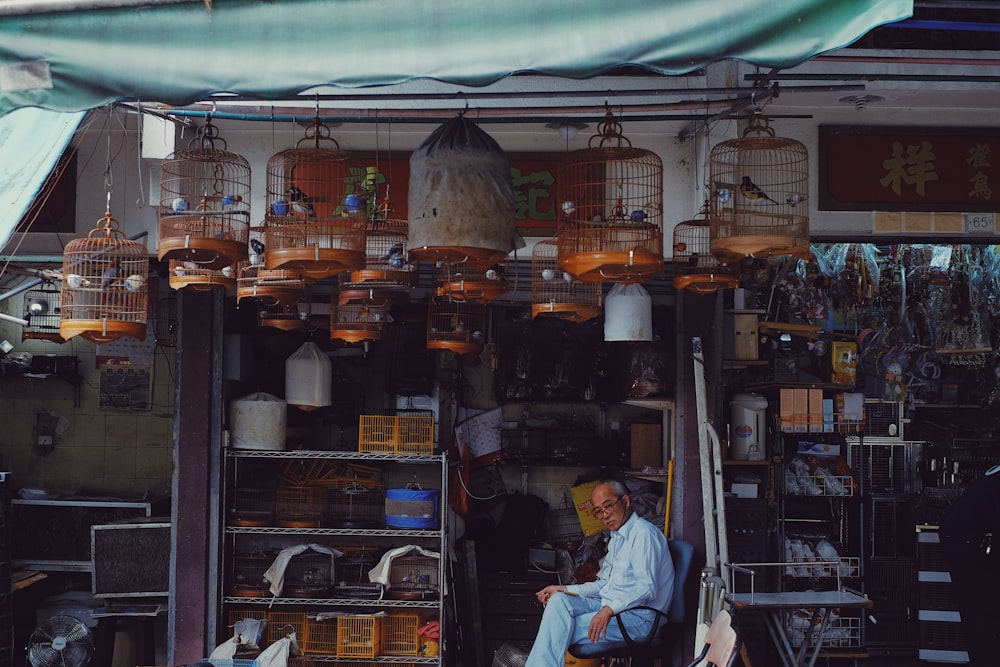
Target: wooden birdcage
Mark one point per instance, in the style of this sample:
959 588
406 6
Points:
759 188
248 574
459 326
695 267
204 211
612 207
105 285
252 506
200 277
359 312
387 259
300 506
42 308
258 283
309 226
556 293
463 281
280 315
355 503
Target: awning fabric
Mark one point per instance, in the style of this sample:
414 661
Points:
31 141
180 53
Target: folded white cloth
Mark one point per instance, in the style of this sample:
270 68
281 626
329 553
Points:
380 573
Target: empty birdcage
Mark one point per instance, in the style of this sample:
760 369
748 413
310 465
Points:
252 506
612 206
359 312
184 273
556 293
759 187
204 211
104 291
302 506
387 259
459 326
311 225
462 281
695 267
248 574
42 309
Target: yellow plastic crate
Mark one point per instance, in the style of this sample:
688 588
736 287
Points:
399 634
323 636
281 623
396 434
359 636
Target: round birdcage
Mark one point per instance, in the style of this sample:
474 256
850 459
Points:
359 312
387 259
759 187
204 210
105 293
695 267
313 225
556 293
256 282
199 277
611 196
42 309
280 315
459 326
464 281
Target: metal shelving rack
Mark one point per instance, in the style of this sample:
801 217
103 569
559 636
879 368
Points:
400 465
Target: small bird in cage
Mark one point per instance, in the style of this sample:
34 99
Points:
395 256
794 198
723 195
300 202
231 200
108 276
752 191
180 205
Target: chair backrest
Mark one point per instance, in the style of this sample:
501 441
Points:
721 643
682 554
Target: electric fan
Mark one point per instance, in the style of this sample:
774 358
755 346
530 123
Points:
62 641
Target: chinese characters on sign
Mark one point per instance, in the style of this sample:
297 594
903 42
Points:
908 169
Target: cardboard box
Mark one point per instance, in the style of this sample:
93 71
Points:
815 410
647 446
800 416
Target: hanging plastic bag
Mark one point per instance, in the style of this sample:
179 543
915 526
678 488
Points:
227 649
277 654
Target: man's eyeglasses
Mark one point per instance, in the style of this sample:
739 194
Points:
605 509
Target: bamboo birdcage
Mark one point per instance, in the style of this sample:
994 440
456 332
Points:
280 315
105 293
464 281
695 267
611 228
255 282
556 293
204 210
387 259
359 312
200 277
459 326
309 226
42 308
759 187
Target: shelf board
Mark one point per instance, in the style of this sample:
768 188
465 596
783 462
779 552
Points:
332 602
347 456
739 462
357 532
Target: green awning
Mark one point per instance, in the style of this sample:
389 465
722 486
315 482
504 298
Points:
31 141
180 53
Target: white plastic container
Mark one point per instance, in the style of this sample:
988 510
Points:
309 378
628 313
747 427
257 421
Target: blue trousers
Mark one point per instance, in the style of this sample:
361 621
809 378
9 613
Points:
566 620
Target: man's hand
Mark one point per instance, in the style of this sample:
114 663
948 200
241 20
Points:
599 624
547 592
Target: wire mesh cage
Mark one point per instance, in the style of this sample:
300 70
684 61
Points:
310 225
301 506
42 309
360 311
387 260
695 267
759 186
612 205
105 285
308 575
463 281
458 326
283 316
258 283
248 574
204 210
556 293
413 577
198 276
252 506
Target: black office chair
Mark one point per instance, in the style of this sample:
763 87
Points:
667 628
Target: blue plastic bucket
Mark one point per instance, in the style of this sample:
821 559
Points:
412 508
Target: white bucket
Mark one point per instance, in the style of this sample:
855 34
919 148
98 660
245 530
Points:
747 427
257 421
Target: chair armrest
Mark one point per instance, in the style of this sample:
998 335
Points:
629 640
